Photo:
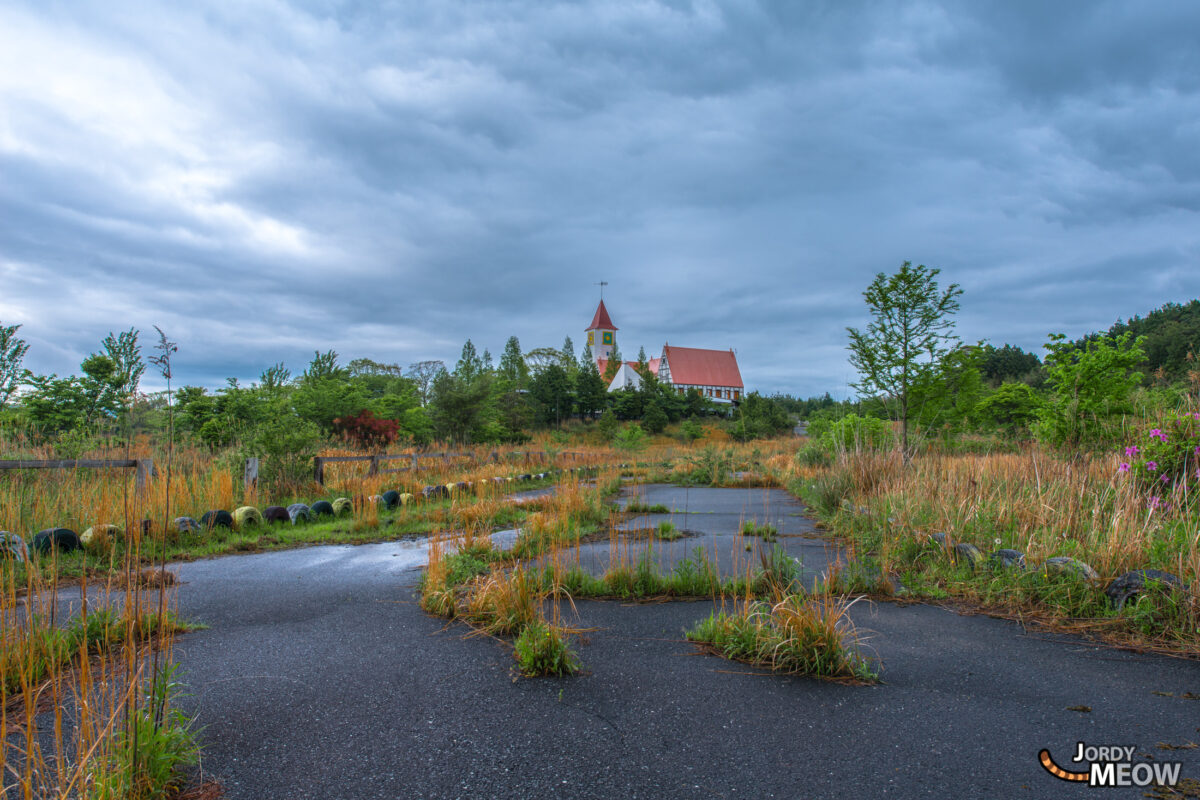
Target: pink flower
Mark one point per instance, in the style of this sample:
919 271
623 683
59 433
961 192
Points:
1125 467
1152 465
1165 478
1134 450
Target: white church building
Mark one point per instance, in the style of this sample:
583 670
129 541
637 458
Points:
714 373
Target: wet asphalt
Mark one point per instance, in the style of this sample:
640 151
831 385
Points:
320 677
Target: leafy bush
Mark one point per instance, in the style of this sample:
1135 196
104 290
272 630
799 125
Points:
655 419
852 433
631 438
1091 390
690 430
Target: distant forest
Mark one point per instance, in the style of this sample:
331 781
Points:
1172 340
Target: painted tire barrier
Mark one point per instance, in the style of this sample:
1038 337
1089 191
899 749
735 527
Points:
342 506
391 498
322 508
216 519
939 539
968 554
406 498
100 537
1060 565
63 539
299 512
1007 559
1139 581
13 546
433 492
274 514
462 486
248 516
187 525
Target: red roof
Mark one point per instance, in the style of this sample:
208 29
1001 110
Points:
601 320
691 366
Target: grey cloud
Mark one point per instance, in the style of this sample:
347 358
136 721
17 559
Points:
265 179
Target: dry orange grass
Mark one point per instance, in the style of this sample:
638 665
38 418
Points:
1039 503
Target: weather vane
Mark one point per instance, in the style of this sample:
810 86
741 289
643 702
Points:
602 284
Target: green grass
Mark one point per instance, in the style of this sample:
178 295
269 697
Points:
151 750
692 578
544 649
50 648
638 507
667 532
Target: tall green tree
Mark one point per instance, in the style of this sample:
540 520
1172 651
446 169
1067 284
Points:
552 393
423 373
126 355
512 364
1091 387
325 392
569 364
470 365
911 330
12 353
591 392
459 406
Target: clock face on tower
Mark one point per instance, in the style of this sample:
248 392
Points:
591 338
608 337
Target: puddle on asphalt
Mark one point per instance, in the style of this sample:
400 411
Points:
395 556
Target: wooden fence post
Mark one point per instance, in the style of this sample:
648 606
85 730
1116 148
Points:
416 462
250 477
373 468
145 471
319 470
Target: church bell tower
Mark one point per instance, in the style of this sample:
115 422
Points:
602 334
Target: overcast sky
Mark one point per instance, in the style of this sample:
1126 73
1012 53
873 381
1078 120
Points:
264 179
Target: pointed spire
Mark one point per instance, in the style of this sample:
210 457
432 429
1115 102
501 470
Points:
601 320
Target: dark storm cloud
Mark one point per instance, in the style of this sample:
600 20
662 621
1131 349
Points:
264 180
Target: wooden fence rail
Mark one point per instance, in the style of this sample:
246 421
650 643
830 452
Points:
144 466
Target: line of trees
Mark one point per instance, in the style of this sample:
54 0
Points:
369 403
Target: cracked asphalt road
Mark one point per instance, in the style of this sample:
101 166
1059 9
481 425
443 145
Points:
320 677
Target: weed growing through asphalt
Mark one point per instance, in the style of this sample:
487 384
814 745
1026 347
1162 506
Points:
793 633
638 506
766 532
544 649
668 532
